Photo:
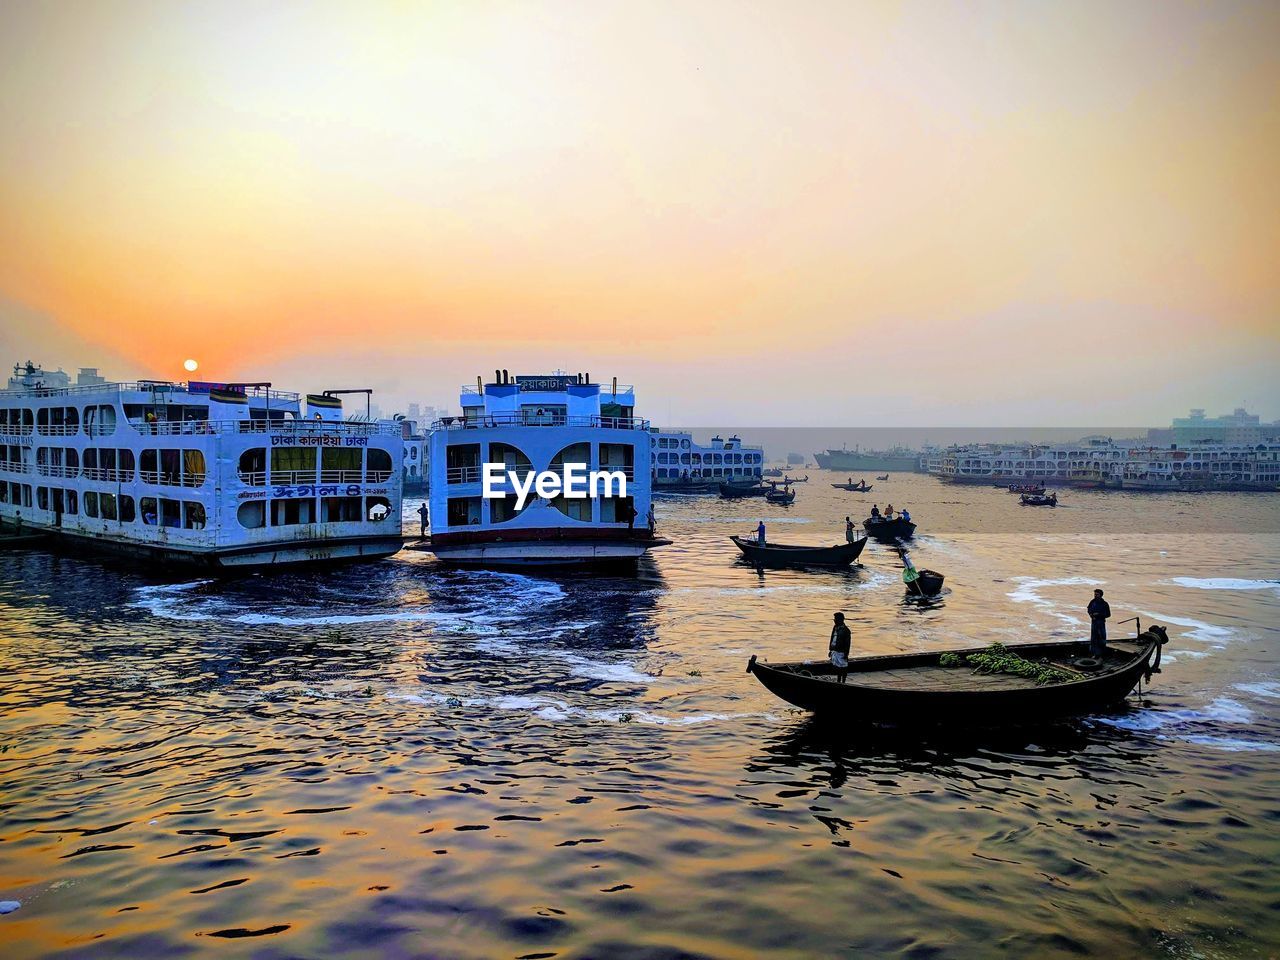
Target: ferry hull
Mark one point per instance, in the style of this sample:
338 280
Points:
552 548
231 560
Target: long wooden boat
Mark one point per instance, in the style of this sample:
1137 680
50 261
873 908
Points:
733 491
783 497
794 555
914 688
689 486
895 529
860 487
1039 500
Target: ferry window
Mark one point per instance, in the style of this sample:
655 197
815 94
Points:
293 464
193 515
150 471
193 468
463 511
462 463
107 504
502 509
170 512
42 498
71 503
615 455
340 509
579 508
379 465
71 460
4 493
253 466
286 513
252 516
124 464
377 508
150 510
90 504
170 467
574 453
26 495
127 514
341 465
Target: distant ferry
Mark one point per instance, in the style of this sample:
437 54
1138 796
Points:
677 461
219 476
1101 462
899 458
534 424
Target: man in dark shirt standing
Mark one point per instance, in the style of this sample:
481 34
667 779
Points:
1099 610
839 648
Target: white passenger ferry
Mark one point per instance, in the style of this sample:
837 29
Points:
221 476
678 461
535 424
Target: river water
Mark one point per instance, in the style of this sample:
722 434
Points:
399 760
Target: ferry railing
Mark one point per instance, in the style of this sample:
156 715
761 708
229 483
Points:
140 386
14 430
287 477
100 429
457 475
110 474
346 476
15 466
296 428
58 430
163 478
57 470
545 420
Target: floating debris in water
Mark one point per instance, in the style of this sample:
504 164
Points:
453 702
624 718
695 673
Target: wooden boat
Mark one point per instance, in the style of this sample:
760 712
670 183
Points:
734 491
860 487
804 479
794 555
773 472
914 688
783 497
895 529
1039 500
927 584
885 477
689 486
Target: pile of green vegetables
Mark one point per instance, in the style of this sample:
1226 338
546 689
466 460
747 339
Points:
999 659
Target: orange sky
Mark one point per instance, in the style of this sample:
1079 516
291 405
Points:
772 212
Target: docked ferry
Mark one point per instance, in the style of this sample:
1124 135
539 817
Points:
217 476
677 461
535 424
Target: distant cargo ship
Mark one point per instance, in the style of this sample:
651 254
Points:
899 458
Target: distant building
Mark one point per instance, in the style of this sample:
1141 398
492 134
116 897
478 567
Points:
1236 427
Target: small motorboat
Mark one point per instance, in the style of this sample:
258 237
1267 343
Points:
860 487
917 688
1033 489
1039 500
926 583
733 491
885 477
773 472
689 486
783 497
793 555
804 479
883 528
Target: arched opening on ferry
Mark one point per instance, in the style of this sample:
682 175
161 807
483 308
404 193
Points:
100 420
377 508
253 515
573 453
378 468
253 467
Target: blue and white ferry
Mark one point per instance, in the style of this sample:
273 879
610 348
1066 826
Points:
218 476
528 427
678 462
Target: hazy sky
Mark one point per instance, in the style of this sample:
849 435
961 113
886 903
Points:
775 213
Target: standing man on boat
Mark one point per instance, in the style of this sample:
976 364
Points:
1099 611
839 647
760 533
423 516
849 530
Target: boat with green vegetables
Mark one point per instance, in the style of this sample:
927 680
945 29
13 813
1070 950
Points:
971 686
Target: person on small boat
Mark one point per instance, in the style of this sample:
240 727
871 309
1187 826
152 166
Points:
1099 611
653 521
839 647
906 515
760 533
875 512
849 529
888 512
422 519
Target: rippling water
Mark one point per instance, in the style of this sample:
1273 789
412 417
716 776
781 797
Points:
404 760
